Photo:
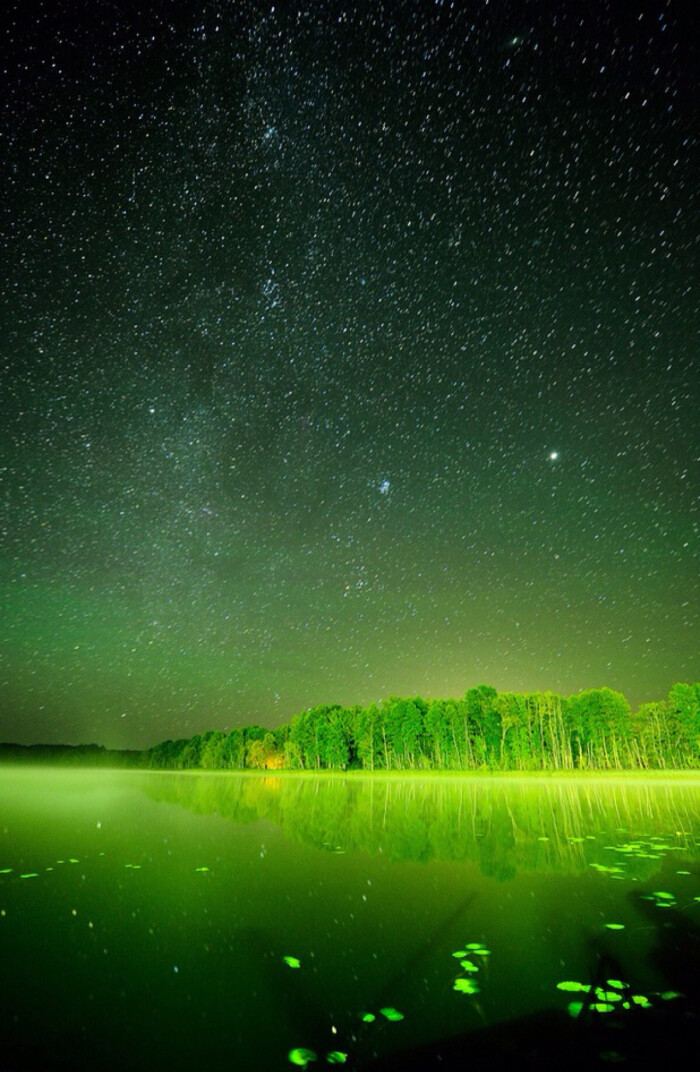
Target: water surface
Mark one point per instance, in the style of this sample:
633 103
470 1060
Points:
146 918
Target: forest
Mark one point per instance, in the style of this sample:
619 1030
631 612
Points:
485 730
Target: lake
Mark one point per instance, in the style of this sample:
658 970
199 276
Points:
224 921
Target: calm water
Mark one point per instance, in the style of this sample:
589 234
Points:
145 918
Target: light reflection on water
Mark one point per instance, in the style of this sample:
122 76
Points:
505 823
188 891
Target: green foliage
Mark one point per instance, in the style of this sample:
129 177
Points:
592 730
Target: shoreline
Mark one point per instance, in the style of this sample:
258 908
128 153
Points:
688 775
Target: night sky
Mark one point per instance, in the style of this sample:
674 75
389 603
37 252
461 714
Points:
348 349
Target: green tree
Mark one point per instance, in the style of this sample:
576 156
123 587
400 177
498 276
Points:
333 738
212 752
483 717
255 754
515 743
233 749
439 735
404 727
684 719
366 736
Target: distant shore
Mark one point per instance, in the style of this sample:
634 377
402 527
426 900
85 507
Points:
484 733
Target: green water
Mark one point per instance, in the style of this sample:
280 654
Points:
153 927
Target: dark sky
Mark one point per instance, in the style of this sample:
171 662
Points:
348 349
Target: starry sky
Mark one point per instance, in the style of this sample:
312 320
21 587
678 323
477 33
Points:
348 349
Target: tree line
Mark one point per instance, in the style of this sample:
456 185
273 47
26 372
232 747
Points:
485 730
69 755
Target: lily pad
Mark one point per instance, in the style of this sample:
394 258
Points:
607 995
602 1006
662 895
468 966
336 1057
368 1017
292 962
573 986
574 1008
391 1014
615 926
641 1000
301 1057
466 986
